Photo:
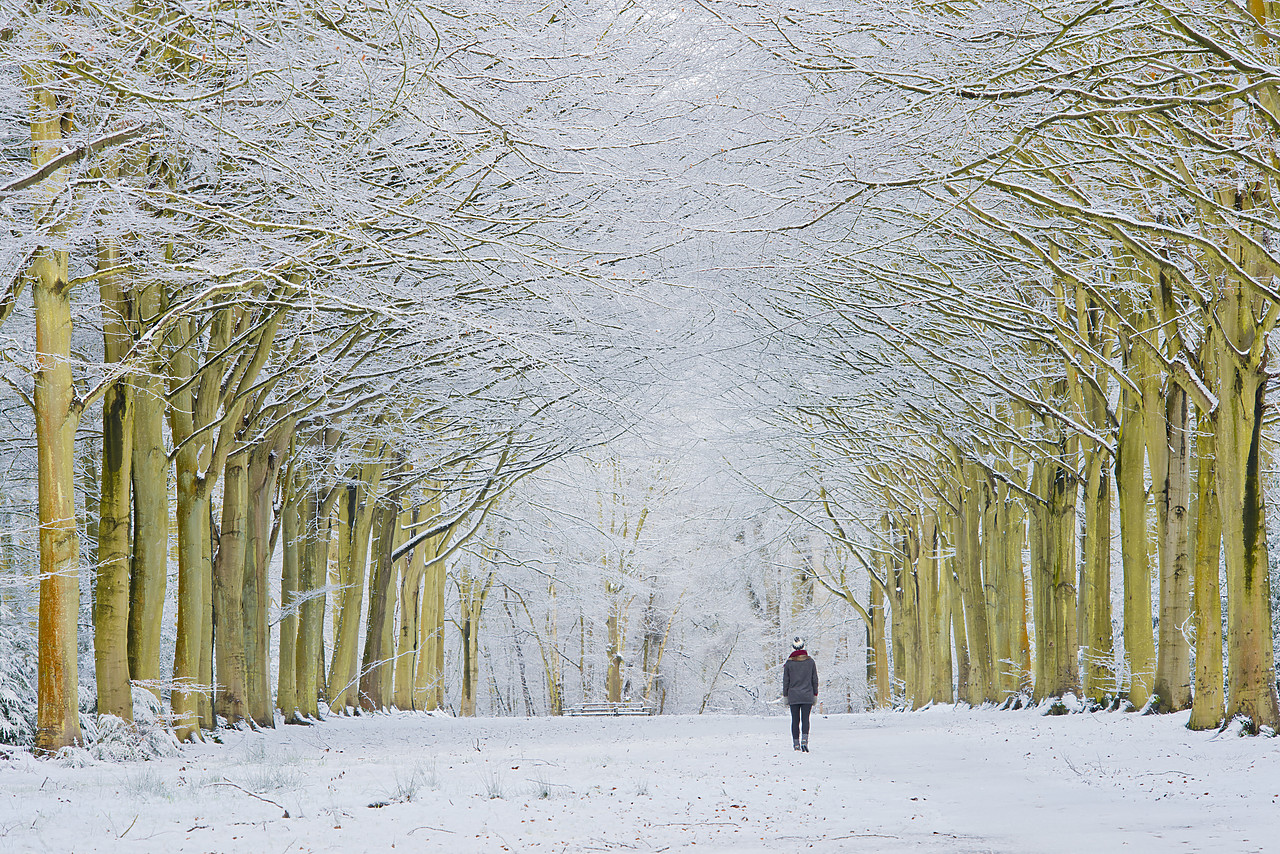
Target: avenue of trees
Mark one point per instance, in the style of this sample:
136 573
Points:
1038 300
321 324
282 280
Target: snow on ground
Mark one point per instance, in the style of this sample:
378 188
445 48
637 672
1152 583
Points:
942 780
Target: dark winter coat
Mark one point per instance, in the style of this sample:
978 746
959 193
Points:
800 679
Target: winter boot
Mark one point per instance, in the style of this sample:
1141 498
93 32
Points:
804 743
796 743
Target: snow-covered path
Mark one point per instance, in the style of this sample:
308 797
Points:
943 780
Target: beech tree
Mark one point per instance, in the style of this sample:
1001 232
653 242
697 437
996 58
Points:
229 257
1073 166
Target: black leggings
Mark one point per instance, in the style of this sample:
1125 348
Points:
800 718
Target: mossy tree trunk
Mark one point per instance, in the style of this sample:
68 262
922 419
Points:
111 577
1243 321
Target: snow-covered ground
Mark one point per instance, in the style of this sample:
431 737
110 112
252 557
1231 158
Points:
941 780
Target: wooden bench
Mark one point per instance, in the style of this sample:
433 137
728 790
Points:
629 708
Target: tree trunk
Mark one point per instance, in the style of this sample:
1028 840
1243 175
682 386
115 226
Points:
927 608
428 687
1019 529
56 420
969 572
1053 585
313 576
943 688
57 416
1242 380
228 593
111 580
472 593
375 664
470 665
470 603
263 469
555 666
291 561
959 638
1172 684
194 402
1132 497
899 612
150 471
204 698
1095 580
991 541
613 672
1207 702
1011 595
1038 548
521 669
908 660
1063 506
877 651
343 675
407 639
192 524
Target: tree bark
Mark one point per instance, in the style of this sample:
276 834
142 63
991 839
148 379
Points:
1053 585
407 638
231 701
991 540
613 653
313 576
204 697
192 525
1132 497
877 651
901 612
57 416
1172 684
943 687
958 633
554 665
291 561
193 406
928 606
969 572
1095 580
429 676
150 474
1011 593
1242 356
111 579
343 674
263 469
1207 701
1063 506
375 665
472 593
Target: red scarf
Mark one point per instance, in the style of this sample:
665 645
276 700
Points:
798 653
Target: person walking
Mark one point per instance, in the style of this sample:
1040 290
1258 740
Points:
800 689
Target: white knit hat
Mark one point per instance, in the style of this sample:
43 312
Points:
797 642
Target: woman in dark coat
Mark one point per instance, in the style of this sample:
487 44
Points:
800 688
